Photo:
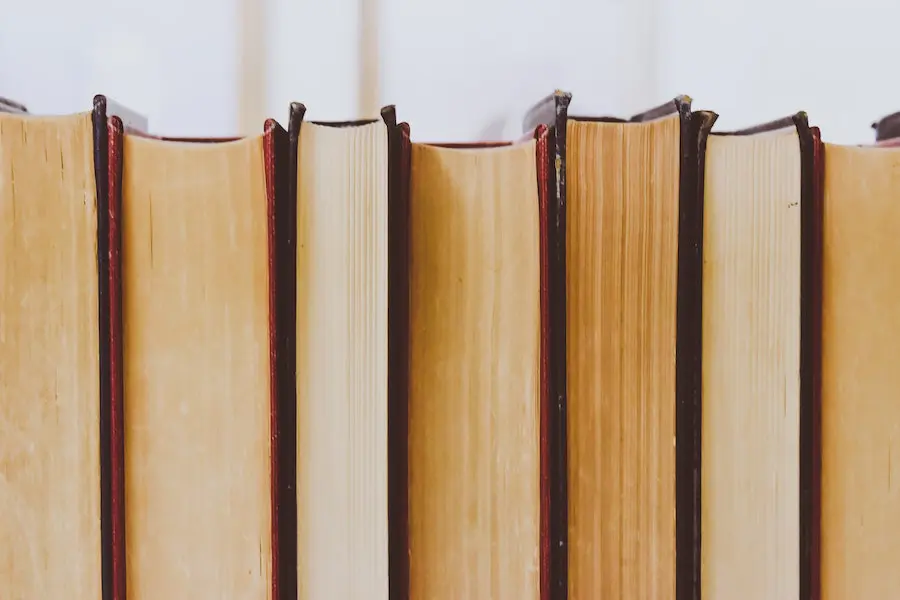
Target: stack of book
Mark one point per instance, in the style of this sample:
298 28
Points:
633 359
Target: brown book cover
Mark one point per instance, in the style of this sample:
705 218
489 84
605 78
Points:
695 126
108 127
277 150
107 172
811 423
398 352
810 354
111 124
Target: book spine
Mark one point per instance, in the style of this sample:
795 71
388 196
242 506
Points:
557 414
811 207
695 127
281 185
542 160
108 174
551 113
398 353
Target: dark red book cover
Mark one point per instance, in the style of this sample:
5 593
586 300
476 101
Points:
547 119
811 338
107 173
542 158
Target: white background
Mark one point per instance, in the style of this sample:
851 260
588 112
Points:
457 69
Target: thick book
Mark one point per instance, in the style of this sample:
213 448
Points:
347 232
762 217
57 373
206 508
628 218
860 523
478 365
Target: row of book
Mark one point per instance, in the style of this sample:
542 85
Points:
617 358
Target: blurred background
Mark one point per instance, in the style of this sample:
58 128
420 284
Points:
457 69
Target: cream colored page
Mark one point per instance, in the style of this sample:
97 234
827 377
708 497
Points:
860 374
474 455
621 284
49 353
750 522
196 349
342 362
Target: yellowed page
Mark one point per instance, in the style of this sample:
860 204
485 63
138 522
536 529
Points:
861 374
750 490
621 285
196 356
342 362
474 455
49 360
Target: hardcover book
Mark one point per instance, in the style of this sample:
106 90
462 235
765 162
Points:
57 373
478 364
628 202
349 316
204 448
860 524
761 319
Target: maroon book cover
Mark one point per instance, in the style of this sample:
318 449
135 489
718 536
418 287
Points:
811 336
542 158
107 173
398 353
548 120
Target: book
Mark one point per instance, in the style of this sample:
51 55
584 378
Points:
628 196
760 369
56 376
613 358
477 369
860 524
346 335
887 128
11 106
204 381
